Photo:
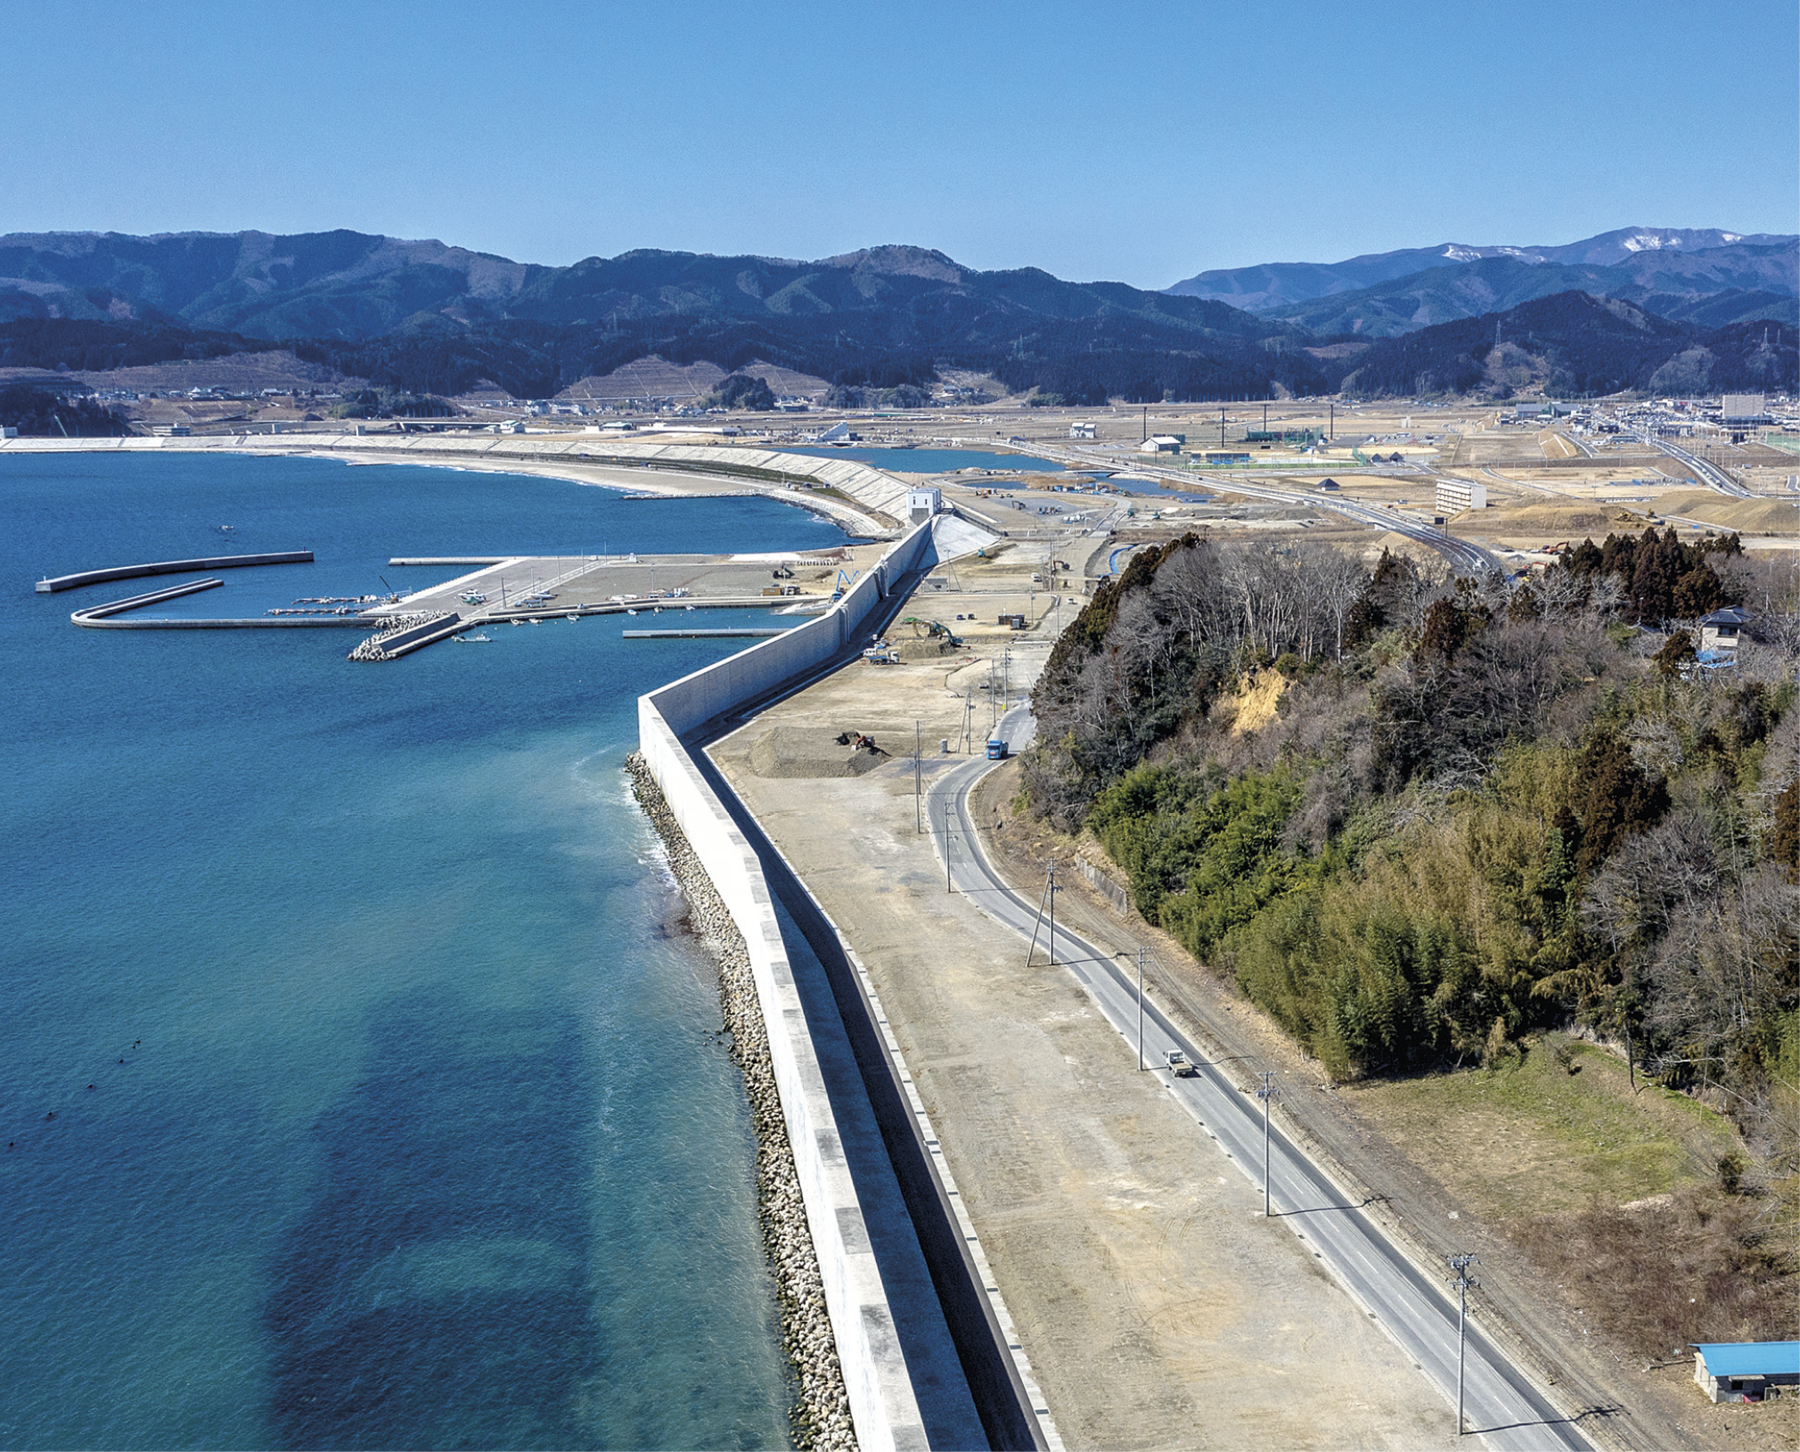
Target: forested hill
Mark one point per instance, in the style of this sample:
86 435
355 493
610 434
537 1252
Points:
1574 345
1477 813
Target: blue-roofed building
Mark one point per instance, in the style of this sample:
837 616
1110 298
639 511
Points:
1745 1371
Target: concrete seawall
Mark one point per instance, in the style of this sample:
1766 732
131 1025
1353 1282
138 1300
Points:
921 1366
842 488
884 1406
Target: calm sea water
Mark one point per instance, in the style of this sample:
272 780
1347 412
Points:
354 1091
937 461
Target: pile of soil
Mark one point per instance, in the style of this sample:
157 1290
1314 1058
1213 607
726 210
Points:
812 751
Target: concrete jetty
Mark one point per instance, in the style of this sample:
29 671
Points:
704 631
100 617
169 567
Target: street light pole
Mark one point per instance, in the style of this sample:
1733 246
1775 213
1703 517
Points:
1460 1263
1266 1093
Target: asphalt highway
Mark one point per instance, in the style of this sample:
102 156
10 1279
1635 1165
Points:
1710 475
1418 1309
1464 557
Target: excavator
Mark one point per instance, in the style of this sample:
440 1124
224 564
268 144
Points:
934 629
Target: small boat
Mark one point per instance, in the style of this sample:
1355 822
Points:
472 638
536 621
518 622
571 617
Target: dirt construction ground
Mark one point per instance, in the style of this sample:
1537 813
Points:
1158 1308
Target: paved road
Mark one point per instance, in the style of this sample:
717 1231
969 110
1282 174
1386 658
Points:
1463 556
1416 1309
1713 477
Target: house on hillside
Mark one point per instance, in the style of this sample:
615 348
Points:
1720 630
1745 1371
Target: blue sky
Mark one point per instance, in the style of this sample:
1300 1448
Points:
1138 142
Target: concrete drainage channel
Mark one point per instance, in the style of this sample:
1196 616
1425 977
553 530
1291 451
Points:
928 1353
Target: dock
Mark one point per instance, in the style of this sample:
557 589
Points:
495 589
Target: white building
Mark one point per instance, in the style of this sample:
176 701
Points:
1084 431
1161 444
1456 495
923 502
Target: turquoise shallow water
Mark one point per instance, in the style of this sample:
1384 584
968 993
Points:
355 1088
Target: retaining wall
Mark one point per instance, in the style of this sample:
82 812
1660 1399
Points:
883 1404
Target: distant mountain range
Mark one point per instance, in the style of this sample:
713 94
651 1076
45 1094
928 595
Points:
1703 275
446 318
426 317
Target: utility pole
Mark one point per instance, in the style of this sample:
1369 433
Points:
1266 1093
948 889
1140 1010
1460 1263
1221 425
1049 896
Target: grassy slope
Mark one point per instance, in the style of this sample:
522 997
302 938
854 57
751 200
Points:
1533 1138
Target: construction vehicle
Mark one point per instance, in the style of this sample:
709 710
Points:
996 749
1178 1064
933 629
844 582
782 572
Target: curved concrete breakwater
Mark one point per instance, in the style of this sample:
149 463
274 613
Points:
169 567
821 1413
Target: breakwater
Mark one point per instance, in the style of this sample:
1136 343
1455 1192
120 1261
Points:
407 633
99 617
821 1412
169 567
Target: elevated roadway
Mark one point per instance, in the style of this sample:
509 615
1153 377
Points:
1711 475
1463 556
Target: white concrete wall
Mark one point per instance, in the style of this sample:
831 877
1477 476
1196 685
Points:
882 1402
869 488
